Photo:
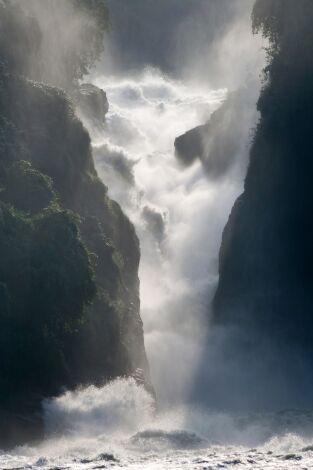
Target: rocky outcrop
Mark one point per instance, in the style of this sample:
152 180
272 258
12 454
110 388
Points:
52 166
266 256
69 287
223 140
92 103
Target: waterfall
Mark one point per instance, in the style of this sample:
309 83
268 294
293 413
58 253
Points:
179 214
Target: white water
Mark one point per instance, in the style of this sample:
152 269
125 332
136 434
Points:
115 427
179 216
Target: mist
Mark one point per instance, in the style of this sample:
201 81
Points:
179 212
195 56
137 132
193 39
64 42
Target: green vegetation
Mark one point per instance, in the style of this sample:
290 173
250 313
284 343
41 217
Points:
266 257
27 189
93 35
46 283
69 289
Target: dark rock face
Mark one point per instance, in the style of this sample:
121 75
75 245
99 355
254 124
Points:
92 102
266 257
18 428
69 287
52 164
218 142
191 145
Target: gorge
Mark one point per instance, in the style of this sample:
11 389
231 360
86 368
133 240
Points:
125 341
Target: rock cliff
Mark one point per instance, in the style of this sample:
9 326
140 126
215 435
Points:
69 287
266 257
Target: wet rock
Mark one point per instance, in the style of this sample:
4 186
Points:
107 457
92 102
222 140
292 457
307 448
175 439
233 462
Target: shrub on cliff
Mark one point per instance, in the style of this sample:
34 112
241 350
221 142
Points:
266 256
46 283
26 188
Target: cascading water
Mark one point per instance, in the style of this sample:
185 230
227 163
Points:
179 215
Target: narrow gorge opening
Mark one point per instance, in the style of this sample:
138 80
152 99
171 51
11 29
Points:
155 242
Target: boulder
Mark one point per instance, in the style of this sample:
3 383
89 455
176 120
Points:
92 102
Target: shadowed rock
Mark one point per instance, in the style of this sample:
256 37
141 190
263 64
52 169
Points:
92 102
223 140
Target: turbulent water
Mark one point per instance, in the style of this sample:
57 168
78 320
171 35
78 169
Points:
179 215
116 427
